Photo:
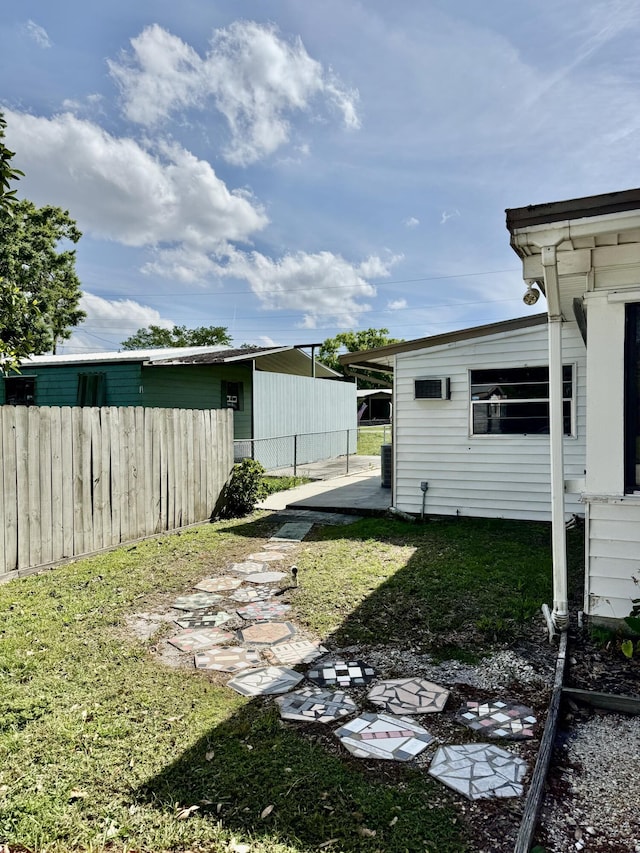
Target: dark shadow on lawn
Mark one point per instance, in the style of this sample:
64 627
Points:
318 791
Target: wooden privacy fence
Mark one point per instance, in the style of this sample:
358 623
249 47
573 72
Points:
76 480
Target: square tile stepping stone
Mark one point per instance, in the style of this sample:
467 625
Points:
231 659
268 556
479 770
191 640
280 545
505 720
384 736
199 619
246 594
267 680
409 696
296 652
196 601
293 531
263 610
248 567
312 704
267 633
218 584
265 577
342 673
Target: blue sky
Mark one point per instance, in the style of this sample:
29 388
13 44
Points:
292 169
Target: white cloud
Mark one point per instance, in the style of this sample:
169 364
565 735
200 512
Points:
38 34
412 222
396 304
446 216
118 190
256 79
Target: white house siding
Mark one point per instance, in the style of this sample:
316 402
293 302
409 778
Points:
614 558
496 476
321 412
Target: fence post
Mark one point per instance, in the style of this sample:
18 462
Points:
295 455
348 451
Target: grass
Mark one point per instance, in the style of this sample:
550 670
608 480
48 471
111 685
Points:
270 485
371 438
103 747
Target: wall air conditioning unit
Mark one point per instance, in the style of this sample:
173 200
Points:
432 388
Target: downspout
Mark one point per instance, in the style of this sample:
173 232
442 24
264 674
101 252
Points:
560 613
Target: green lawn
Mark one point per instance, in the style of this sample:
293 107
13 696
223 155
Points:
371 437
103 747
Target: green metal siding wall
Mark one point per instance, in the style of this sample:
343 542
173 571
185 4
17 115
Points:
58 386
197 387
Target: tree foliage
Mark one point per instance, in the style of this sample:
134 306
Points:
178 336
40 289
7 172
365 339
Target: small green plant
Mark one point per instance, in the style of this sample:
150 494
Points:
244 489
602 636
633 619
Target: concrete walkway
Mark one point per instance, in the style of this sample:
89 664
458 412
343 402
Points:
357 493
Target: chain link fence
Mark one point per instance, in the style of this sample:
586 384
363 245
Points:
295 451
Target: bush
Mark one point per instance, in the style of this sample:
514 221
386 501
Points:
243 490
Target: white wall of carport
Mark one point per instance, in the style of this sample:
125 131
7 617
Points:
497 476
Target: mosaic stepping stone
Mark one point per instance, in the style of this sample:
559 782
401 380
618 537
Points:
248 567
268 556
252 593
505 720
312 704
296 652
218 584
479 770
203 620
293 531
409 696
231 659
263 610
265 577
267 633
267 680
192 640
343 673
196 601
384 736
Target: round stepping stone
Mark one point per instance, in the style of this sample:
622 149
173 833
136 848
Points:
231 659
409 696
265 577
264 681
196 601
218 584
341 673
384 736
504 720
192 640
263 610
479 770
268 556
267 633
252 593
203 620
296 652
248 567
312 704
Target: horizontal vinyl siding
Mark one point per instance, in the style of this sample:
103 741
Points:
58 386
613 537
503 476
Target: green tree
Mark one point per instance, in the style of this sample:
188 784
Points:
7 172
365 339
178 336
40 289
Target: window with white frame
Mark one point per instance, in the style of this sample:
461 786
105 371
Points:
515 400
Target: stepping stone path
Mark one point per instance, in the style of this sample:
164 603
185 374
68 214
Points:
341 673
195 640
282 545
409 696
203 620
252 593
267 633
479 770
217 584
248 567
384 736
265 577
232 659
312 704
196 601
267 556
296 652
504 720
264 610
268 680
292 531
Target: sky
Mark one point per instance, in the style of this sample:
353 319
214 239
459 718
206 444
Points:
291 169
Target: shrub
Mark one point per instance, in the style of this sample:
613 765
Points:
243 490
